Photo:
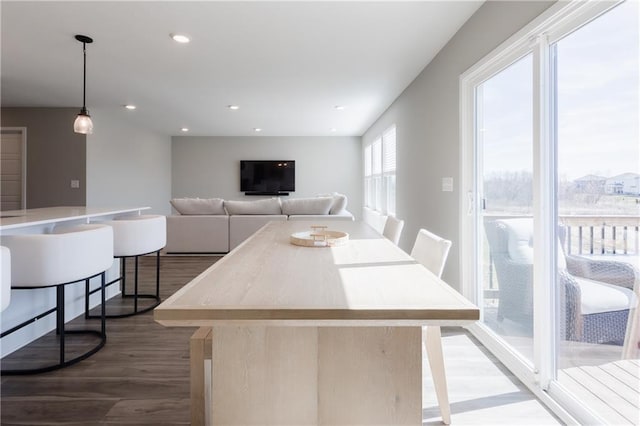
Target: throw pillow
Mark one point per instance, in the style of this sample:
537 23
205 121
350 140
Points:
339 202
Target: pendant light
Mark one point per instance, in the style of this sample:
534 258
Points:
83 123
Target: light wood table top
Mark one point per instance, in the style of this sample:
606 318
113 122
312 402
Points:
269 281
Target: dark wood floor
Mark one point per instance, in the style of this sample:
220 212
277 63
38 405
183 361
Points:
141 376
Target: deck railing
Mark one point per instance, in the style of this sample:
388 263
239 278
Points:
601 234
584 234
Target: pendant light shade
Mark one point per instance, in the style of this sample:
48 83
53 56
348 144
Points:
83 123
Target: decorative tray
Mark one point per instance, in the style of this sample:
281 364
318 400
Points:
319 236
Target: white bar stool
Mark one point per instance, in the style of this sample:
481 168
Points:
5 278
65 256
135 236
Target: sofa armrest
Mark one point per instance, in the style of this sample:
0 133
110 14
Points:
242 227
197 234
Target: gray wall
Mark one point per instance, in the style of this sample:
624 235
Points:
55 155
127 166
210 166
427 118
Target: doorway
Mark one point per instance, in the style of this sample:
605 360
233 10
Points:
13 168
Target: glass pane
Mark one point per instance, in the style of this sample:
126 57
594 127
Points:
389 150
504 135
390 192
377 156
598 199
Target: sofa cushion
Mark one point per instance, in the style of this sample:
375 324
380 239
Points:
319 205
197 234
242 227
266 206
190 206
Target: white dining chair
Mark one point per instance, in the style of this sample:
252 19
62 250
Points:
432 252
393 229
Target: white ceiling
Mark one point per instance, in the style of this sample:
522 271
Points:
287 64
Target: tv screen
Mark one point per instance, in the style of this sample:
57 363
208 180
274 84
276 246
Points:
267 177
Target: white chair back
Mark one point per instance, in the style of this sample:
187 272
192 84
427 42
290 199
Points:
67 254
431 251
137 235
393 229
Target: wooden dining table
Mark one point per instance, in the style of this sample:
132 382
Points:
317 335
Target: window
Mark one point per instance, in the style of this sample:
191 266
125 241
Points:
380 173
389 169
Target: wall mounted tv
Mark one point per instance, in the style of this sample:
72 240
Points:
267 177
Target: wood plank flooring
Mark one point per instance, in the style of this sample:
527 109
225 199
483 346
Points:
141 376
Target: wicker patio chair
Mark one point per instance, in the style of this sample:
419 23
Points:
595 296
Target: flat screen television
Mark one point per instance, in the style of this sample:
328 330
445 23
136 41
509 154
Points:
267 177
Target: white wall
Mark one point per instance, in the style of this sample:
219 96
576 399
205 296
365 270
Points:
210 166
127 166
426 115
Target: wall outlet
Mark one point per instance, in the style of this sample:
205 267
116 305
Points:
75 183
447 184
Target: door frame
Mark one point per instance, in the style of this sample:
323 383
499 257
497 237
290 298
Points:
23 133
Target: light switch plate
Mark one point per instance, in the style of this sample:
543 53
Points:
447 184
75 183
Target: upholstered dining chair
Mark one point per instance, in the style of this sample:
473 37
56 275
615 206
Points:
393 229
432 252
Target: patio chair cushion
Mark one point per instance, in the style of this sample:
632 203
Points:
520 243
598 297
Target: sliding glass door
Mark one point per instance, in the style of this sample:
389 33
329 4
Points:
505 165
551 155
598 207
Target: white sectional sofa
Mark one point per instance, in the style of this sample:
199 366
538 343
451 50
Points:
214 225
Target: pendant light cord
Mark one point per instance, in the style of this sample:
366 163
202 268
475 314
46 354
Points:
84 78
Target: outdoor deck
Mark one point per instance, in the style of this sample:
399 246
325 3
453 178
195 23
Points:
612 390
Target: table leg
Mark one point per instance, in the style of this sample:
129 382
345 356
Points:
433 345
316 375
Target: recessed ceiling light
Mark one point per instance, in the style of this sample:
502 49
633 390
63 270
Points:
339 107
132 107
257 129
185 129
180 38
233 107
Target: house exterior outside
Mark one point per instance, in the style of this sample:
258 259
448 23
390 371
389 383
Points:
623 184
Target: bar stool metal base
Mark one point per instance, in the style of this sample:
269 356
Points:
60 330
135 295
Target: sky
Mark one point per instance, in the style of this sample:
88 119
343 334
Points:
598 107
